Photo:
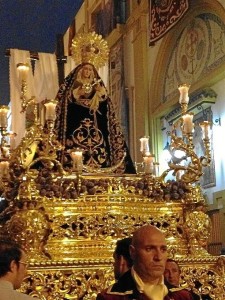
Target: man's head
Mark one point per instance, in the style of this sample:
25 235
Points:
149 253
172 272
13 263
122 259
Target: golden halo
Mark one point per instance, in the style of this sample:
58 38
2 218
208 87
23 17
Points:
90 48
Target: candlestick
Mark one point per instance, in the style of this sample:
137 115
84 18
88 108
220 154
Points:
148 164
77 157
144 148
3 116
184 98
23 71
50 110
206 130
187 123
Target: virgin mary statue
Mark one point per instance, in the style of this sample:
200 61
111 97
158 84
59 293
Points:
86 118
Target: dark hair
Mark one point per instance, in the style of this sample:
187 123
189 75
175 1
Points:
172 260
122 248
9 251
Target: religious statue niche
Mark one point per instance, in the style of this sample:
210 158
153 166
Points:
86 118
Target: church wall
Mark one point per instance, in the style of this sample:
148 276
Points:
80 19
159 55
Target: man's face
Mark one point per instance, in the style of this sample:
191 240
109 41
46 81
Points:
150 256
172 273
20 271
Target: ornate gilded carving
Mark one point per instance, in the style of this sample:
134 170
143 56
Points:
70 223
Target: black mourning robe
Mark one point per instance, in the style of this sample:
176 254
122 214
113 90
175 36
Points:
88 122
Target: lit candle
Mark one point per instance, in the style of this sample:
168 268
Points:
3 116
23 71
187 123
77 157
50 110
148 164
144 145
206 129
184 98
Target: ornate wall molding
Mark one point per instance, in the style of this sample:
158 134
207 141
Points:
177 63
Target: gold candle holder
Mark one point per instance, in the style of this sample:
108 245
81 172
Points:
23 69
148 164
50 114
206 129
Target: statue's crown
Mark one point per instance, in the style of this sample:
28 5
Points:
90 48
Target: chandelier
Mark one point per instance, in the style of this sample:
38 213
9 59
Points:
188 166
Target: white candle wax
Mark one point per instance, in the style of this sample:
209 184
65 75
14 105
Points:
144 144
148 164
23 71
77 158
3 116
188 124
206 130
50 111
184 98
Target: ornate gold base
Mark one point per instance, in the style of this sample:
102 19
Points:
83 279
70 225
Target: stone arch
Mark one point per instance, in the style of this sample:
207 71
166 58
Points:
205 11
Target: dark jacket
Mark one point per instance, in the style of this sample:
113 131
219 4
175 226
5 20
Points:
125 289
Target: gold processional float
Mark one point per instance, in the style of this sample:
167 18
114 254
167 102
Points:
69 220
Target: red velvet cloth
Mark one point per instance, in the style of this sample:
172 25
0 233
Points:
164 15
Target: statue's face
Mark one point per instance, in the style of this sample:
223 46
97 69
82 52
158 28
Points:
87 71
